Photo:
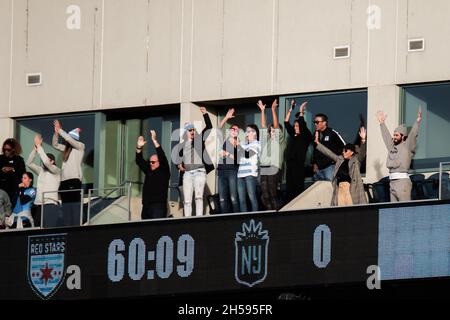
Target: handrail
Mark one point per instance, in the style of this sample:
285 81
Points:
113 189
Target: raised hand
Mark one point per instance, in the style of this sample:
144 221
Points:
261 106
230 114
274 104
153 134
292 105
203 110
362 133
37 140
381 116
141 142
57 125
419 114
303 107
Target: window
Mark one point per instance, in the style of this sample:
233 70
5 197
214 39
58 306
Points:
122 131
345 111
435 126
27 128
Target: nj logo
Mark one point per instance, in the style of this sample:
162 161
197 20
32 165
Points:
252 247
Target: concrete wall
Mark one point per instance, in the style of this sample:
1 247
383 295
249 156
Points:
157 52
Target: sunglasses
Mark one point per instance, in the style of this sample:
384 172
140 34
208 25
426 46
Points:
153 162
317 122
190 130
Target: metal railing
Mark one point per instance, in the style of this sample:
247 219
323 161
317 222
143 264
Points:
44 198
125 186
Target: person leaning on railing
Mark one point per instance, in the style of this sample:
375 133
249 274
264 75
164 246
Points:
49 177
156 183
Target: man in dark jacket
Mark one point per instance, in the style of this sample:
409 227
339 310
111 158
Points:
156 183
323 166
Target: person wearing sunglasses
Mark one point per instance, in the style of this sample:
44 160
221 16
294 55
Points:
401 148
300 139
272 139
12 167
194 164
348 187
323 166
227 167
156 182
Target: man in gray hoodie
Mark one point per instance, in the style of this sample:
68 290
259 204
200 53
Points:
401 148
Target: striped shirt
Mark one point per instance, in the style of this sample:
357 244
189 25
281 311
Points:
249 166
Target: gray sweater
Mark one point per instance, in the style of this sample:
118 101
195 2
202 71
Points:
48 180
71 169
5 206
399 156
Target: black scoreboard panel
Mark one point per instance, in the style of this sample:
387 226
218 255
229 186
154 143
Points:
197 255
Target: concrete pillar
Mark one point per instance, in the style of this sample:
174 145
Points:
6 128
386 98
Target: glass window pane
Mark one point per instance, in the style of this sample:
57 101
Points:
435 125
26 129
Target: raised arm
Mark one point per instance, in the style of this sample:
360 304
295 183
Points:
228 116
387 138
55 143
37 169
208 125
142 164
330 154
363 147
414 133
276 124
160 152
74 143
262 107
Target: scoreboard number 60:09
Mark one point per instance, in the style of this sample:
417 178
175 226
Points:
136 256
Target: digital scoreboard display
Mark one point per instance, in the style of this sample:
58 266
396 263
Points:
232 252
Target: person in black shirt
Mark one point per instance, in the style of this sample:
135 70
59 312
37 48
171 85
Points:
12 167
156 183
300 138
323 166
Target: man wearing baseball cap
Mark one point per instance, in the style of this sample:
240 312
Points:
401 148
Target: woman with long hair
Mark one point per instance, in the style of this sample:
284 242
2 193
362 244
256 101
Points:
71 170
12 167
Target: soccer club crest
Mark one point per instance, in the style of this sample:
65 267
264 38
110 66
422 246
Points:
252 248
46 263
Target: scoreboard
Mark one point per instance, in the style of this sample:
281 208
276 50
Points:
228 252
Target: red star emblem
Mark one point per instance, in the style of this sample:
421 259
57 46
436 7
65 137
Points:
46 273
